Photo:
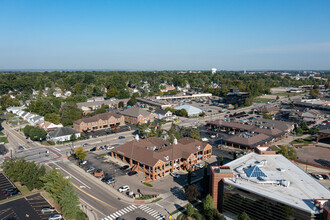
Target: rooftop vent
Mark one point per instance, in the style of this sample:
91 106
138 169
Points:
166 158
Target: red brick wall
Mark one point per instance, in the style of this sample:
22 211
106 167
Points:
215 178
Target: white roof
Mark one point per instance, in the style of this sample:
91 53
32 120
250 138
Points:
300 193
190 109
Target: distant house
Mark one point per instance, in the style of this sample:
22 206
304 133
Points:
165 115
37 118
137 115
191 110
268 109
311 115
48 126
62 134
99 121
96 103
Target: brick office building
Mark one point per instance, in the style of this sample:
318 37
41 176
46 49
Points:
157 158
99 121
136 115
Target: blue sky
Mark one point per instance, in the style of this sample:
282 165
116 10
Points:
165 34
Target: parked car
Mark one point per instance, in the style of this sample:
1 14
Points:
326 177
199 165
109 181
110 147
55 217
205 139
123 188
12 192
47 210
98 173
131 173
140 218
175 175
5 191
83 162
125 167
121 137
93 149
21 148
318 176
212 136
120 218
90 169
105 179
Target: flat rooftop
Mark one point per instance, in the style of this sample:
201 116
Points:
300 193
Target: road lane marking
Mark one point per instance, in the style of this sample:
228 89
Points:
72 175
94 197
92 207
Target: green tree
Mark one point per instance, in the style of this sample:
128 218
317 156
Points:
267 116
70 113
80 153
313 130
123 94
221 161
191 192
304 126
284 150
243 216
132 101
52 117
111 93
292 153
208 204
190 209
299 131
69 202
121 104
35 133
54 183
73 137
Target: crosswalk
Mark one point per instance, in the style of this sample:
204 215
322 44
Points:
120 212
152 212
155 214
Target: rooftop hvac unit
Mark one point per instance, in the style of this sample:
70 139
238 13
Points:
166 158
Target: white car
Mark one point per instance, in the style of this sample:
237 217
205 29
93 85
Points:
318 176
84 162
205 139
199 165
212 136
55 217
110 147
123 188
175 175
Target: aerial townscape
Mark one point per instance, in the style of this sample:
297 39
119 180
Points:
165 110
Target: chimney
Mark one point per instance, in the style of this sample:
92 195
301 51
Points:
175 141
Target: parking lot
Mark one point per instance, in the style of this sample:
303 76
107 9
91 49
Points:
111 168
29 208
5 183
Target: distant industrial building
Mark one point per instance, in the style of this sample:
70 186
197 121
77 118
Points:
214 70
191 110
235 97
97 103
266 185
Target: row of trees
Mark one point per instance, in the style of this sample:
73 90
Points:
35 133
34 176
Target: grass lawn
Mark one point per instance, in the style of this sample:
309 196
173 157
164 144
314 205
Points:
305 141
286 94
262 100
275 148
101 155
3 139
7 116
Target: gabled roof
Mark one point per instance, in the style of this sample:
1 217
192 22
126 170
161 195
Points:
135 112
161 111
142 150
62 132
103 116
